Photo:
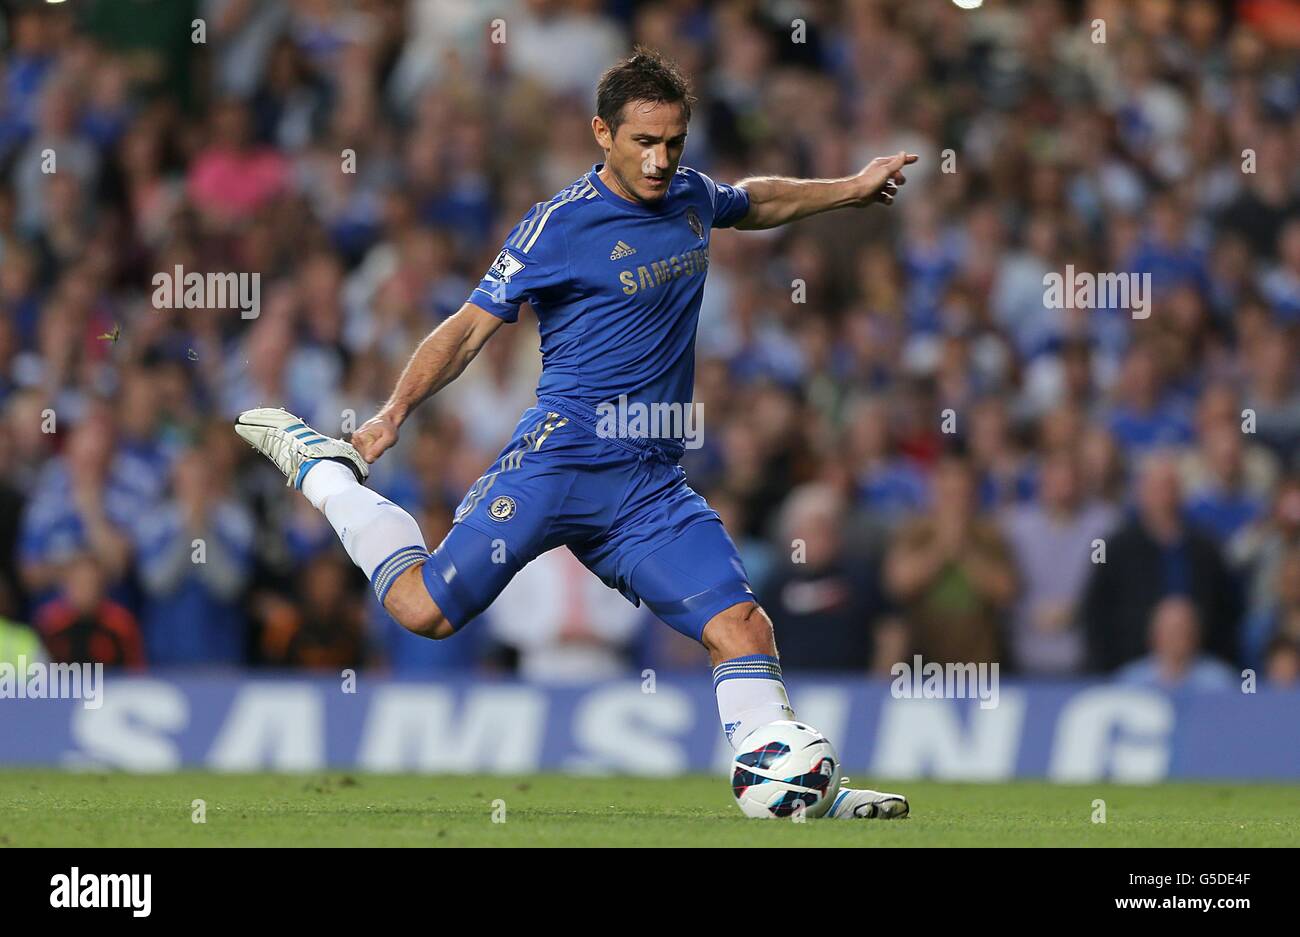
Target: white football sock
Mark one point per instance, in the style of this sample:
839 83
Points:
750 694
379 536
327 478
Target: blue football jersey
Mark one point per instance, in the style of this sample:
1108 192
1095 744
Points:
616 286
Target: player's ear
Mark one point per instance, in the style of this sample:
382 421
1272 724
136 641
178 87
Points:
600 130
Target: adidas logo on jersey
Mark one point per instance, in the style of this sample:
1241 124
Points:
621 250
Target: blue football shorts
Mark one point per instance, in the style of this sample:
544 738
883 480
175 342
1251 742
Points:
622 506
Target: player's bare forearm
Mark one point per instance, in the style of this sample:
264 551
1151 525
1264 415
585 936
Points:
437 361
776 201
440 359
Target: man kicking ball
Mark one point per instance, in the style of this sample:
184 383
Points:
614 267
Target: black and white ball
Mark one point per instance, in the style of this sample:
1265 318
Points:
784 768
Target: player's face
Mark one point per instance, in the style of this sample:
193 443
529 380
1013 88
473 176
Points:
645 151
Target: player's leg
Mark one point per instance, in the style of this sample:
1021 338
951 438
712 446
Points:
738 631
697 584
428 594
746 671
412 607
457 581
380 538
751 693
409 580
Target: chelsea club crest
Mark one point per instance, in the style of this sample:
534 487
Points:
502 509
693 219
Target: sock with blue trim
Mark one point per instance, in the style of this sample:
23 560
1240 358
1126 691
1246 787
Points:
379 536
750 694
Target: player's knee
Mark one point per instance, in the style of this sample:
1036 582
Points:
411 606
742 629
432 624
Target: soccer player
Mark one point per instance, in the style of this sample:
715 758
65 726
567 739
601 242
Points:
614 267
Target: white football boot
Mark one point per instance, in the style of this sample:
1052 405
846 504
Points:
856 804
294 446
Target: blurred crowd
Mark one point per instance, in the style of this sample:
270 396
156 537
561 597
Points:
913 452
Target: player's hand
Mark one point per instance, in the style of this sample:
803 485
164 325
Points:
882 176
375 437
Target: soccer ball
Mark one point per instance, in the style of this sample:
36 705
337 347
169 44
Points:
785 767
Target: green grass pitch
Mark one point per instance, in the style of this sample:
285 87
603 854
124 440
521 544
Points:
47 808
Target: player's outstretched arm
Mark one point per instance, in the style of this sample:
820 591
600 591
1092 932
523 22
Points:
440 359
775 201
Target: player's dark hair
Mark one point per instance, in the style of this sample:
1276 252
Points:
646 76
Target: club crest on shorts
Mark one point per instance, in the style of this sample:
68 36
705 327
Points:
693 219
502 509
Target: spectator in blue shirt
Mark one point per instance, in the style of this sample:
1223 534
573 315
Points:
84 501
1168 252
1281 284
1143 417
30 62
889 485
1222 503
195 559
1278 617
1176 660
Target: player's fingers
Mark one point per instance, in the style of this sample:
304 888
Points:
899 179
366 445
902 158
385 442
